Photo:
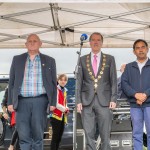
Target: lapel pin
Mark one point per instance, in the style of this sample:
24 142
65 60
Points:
43 65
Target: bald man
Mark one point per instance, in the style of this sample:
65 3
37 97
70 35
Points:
32 87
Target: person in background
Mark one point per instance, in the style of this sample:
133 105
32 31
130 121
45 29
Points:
4 104
120 93
59 115
32 88
10 117
135 84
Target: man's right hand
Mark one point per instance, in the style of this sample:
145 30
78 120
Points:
79 107
5 115
52 108
10 108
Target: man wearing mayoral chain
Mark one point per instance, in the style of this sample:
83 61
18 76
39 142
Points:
97 95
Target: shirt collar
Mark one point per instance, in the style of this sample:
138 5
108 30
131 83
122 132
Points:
98 54
37 56
142 62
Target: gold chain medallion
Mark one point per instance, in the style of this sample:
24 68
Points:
100 73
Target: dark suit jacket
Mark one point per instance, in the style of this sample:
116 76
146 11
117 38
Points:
107 85
17 73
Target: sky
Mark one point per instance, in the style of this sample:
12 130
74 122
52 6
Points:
66 58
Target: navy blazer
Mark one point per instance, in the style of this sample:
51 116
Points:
17 73
133 82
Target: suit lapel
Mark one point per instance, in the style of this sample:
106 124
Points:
91 67
22 64
43 66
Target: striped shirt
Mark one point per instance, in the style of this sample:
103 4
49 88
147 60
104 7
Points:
32 82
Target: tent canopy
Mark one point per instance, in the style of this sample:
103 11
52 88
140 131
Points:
61 24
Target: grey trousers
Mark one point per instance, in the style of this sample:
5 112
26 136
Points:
31 121
103 116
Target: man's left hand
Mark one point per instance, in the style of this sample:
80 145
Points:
112 105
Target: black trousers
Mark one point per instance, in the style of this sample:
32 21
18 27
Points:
58 129
14 137
15 140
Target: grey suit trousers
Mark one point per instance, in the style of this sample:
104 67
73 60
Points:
92 114
31 122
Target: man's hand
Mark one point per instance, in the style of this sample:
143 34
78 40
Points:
145 96
67 111
79 107
141 97
5 115
139 102
112 105
52 108
10 108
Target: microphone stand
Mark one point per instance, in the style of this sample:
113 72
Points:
76 93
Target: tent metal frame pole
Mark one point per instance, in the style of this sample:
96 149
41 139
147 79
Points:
53 18
85 22
12 37
75 11
127 31
116 34
29 23
26 12
123 38
7 39
113 17
113 35
22 36
81 12
8 35
131 21
131 12
54 12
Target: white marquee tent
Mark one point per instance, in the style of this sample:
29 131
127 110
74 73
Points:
61 24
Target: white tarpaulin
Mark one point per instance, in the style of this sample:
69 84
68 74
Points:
61 24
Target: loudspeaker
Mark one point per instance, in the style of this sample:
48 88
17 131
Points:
121 126
121 123
80 137
121 141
